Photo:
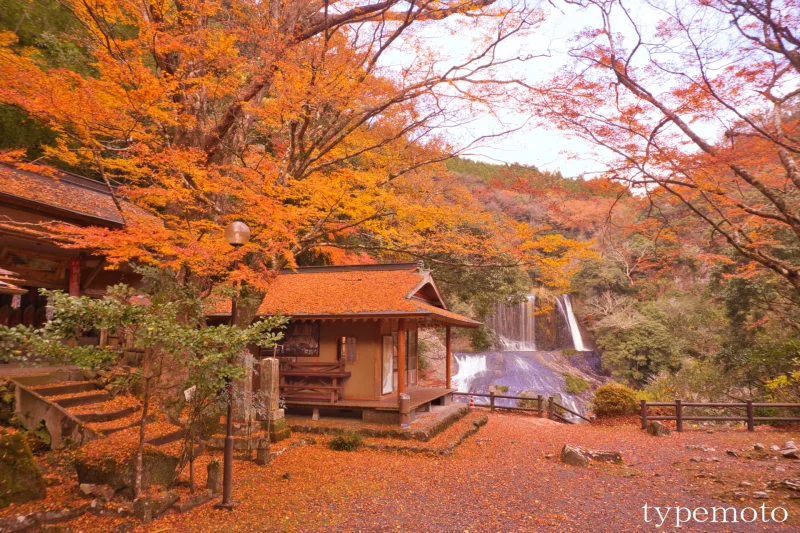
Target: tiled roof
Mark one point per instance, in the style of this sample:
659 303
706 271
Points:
354 291
66 192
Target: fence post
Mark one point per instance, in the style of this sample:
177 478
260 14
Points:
679 415
491 401
550 408
539 401
644 414
750 421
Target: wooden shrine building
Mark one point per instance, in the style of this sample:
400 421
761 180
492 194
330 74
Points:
351 346
31 256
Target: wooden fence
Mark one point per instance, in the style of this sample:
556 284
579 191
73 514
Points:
553 407
749 408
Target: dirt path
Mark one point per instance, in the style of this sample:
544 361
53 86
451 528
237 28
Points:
500 481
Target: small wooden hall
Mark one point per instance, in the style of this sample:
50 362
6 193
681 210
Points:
351 346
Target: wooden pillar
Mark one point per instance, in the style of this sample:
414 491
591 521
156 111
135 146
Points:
75 276
644 413
448 355
401 357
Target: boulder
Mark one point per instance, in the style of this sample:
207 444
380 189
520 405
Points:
147 508
123 527
17 524
103 492
791 453
605 456
657 429
574 455
20 479
55 517
758 447
789 445
194 501
157 469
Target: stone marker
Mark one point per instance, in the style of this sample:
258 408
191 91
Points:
214 481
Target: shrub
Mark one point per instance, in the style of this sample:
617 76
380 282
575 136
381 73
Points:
574 384
501 389
533 403
613 399
346 442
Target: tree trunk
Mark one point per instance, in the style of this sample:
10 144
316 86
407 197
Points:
191 459
137 485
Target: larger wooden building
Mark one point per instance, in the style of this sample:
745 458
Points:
31 205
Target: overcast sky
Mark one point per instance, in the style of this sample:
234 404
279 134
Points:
546 148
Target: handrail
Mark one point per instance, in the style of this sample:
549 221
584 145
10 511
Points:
552 405
556 404
749 405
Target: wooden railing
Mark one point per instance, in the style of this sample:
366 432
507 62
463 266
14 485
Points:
312 381
554 408
749 406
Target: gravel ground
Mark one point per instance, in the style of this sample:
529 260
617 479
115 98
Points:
502 480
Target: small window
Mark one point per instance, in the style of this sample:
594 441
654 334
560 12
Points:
347 350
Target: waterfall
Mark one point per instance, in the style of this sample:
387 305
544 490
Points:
564 304
468 367
515 325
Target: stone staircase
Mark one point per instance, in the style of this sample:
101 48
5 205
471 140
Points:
79 410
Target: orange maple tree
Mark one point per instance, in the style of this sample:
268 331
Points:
288 115
697 104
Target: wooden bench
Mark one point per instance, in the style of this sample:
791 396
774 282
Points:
312 381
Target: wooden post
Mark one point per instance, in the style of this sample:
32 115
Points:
448 355
401 358
644 414
550 408
679 415
75 276
750 421
539 402
491 401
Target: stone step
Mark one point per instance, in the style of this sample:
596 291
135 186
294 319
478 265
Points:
56 389
85 399
134 422
89 418
167 438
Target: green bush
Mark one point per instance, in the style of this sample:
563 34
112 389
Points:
575 384
613 399
533 403
347 442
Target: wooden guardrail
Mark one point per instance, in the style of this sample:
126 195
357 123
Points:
553 407
749 406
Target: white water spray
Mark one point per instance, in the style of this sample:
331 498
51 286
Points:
564 303
468 367
515 326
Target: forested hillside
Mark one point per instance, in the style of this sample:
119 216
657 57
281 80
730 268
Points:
672 308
